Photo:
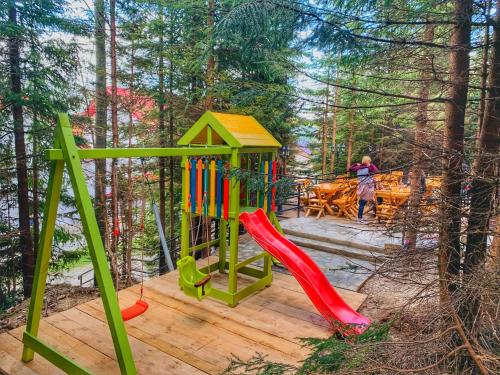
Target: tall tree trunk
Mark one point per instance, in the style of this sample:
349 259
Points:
418 168
211 58
350 138
334 123
25 241
127 254
114 131
163 143
352 123
484 182
127 260
324 127
484 77
101 127
35 179
171 160
455 106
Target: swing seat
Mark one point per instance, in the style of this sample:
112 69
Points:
192 281
136 309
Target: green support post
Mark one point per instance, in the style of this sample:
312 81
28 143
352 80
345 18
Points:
184 215
44 251
96 250
267 258
222 245
234 228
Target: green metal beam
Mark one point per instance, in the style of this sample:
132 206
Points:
96 248
274 220
211 268
253 272
113 153
250 260
203 246
44 250
254 287
53 356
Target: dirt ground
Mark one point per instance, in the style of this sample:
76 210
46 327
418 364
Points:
57 298
406 285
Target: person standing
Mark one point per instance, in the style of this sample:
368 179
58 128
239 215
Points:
366 184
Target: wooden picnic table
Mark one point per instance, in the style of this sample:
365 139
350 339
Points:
328 187
324 194
392 200
396 197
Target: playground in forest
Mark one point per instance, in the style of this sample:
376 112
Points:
177 321
253 187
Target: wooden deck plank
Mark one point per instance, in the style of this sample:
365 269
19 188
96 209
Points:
96 333
14 348
192 308
11 365
247 314
172 325
179 334
135 328
76 350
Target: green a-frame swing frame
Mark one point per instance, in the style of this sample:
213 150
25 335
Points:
67 156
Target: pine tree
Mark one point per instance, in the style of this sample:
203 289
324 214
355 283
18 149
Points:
25 240
100 126
450 247
38 71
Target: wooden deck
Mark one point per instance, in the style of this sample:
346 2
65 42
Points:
178 334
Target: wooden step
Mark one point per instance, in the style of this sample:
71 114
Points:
335 241
342 250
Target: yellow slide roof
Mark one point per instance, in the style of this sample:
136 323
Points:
231 129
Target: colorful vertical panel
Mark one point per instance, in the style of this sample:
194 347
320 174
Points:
261 193
273 190
205 187
212 187
187 187
218 188
192 184
199 185
270 187
264 193
226 194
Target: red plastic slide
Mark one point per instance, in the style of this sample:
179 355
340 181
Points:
305 270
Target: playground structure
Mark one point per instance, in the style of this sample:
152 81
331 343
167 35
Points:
209 192
214 146
339 197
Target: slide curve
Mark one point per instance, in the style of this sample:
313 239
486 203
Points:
314 282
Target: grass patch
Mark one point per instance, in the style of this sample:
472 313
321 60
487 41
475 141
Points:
83 261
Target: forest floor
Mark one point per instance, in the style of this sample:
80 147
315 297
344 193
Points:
58 298
402 290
